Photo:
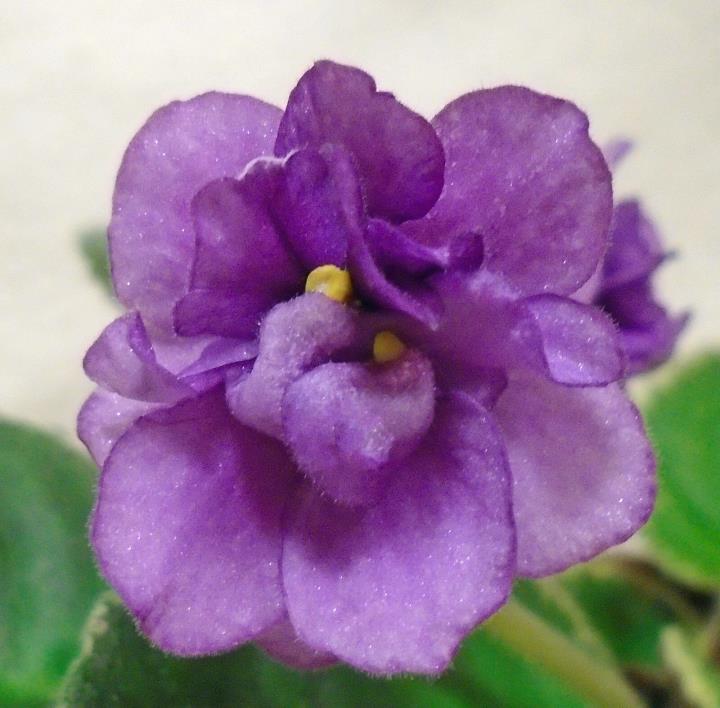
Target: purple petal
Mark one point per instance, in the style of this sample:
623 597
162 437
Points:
182 147
395 587
583 454
187 526
581 344
122 360
238 246
294 337
224 313
319 202
397 254
104 417
346 422
282 643
400 158
616 151
522 172
375 288
635 250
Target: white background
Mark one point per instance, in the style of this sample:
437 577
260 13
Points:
78 77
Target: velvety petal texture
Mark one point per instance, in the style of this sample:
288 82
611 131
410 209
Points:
522 172
582 467
399 157
372 369
181 148
187 526
396 586
346 422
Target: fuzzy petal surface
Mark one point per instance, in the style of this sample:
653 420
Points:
396 586
583 471
346 422
399 157
294 337
182 147
187 526
282 643
522 171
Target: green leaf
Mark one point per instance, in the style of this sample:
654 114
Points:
48 579
118 667
94 248
697 679
684 423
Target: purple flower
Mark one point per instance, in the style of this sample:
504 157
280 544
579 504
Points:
354 395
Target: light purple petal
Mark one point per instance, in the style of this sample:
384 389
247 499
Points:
282 643
122 360
581 344
399 157
294 337
582 468
616 151
522 172
104 417
182 147
346 422
187 526
395 587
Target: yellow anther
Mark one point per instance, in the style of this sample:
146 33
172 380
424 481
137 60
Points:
387 347
331 281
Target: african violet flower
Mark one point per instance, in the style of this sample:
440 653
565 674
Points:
355 395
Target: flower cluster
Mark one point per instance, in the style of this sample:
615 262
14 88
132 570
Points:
363 382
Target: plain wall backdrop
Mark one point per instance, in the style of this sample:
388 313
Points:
78 78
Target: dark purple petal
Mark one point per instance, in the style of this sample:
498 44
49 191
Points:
582 468
225 313
238 246
295 336
122 360
282 643
182 147
374 287
318 203
397 254
396 586
522 172
399 157
581 344
345 422
635 248
104 417
187 526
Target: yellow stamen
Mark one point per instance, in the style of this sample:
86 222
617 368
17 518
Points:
387 347
331 281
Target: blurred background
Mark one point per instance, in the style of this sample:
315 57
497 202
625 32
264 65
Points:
78 78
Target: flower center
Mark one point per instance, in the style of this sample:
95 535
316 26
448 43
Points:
331 281
387 347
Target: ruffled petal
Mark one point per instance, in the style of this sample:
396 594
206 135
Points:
294 337
104 417
396 586
318 204
346 422
182 147
237 243
522 172
581 344
399 157
582 453
187 526
373 285
122 360
282 643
